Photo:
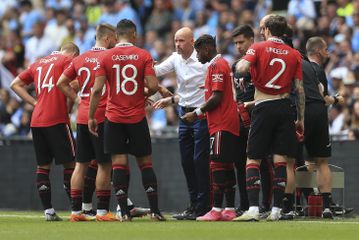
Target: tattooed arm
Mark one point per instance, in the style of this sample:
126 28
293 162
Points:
243 66
300 100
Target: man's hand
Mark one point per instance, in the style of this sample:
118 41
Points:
244 115
340 99
162 103
189 117
148 102
165 92
78 100
299 126
145 92
92 125
249 105
329 100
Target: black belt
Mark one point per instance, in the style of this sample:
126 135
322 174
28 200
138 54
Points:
188 109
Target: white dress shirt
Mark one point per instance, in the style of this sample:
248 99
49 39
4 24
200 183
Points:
190 78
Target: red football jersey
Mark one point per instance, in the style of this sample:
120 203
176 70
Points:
125 67
219 78
83 68
274 66
51 107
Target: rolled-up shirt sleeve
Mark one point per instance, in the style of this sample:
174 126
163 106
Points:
165 67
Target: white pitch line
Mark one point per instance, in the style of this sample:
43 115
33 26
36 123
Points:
19 216
327 222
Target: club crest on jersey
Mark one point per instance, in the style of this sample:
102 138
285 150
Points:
217 77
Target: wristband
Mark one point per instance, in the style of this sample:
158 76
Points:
173 99
198 111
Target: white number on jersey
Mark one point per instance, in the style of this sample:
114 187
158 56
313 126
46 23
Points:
87 79
271 84
45 84
122 86
211 142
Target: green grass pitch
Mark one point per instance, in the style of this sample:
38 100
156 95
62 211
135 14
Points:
30 225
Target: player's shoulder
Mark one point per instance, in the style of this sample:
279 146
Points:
255 48
257 45
141 51
218 64
64 59
83 58
53 58
222 63
80 57
298 54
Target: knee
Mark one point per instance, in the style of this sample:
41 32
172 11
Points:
322 162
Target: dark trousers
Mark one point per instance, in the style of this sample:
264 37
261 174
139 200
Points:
194 147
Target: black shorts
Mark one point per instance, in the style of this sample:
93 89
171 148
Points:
128 138
224 147
54 142
316 132
272 130
90 147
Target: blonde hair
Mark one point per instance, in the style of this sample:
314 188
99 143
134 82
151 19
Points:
104 29
70 47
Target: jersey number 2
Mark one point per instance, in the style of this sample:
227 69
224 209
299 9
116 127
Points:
271 84
87 80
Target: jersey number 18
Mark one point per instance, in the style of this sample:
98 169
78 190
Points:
121 73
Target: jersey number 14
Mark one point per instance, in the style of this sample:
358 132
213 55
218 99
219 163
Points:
45 82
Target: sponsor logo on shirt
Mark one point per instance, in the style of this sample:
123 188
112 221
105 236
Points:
251 51
217 77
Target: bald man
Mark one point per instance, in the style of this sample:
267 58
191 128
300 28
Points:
262 25
193 137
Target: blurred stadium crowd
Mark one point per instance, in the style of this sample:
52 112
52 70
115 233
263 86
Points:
32 29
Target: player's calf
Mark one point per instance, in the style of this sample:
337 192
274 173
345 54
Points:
120 185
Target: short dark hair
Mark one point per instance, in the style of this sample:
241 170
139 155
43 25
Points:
205 40
25 3
60 11
124 27
244 30
313 44
288 36
277 25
